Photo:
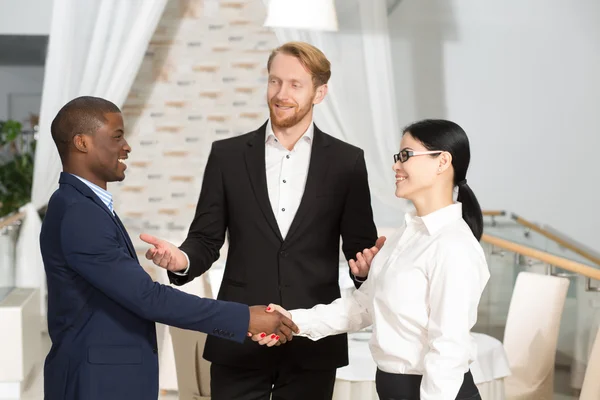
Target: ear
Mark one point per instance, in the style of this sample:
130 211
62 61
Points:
320 94
81 143
445 161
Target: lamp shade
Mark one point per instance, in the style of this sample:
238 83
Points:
302 14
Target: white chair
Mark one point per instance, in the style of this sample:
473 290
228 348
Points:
591 384
531 335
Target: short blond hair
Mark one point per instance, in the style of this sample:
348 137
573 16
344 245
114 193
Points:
309 56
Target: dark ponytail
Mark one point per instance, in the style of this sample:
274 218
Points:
439 134
471 210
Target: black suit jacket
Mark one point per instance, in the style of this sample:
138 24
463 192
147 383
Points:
298 272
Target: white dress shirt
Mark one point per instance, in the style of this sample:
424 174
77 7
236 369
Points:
286 177
104 195
421 297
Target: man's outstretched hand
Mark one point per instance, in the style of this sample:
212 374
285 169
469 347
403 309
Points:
360 267
263 320
165 254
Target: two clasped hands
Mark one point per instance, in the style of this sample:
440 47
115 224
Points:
269 325
359 267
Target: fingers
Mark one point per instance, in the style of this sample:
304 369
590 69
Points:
289 324
354 267
151 253
380 242
276 341
285 333
368 254
150 239
258 337
361 259
268 340
162 258
361 263
158 256
279 309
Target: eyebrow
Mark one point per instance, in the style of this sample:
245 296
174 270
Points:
406 148
293 80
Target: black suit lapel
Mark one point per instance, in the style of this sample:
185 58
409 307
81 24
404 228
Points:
255 165
317 171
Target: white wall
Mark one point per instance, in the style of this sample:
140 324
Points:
521 77
18 79
25 17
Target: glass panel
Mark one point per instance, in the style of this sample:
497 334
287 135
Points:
8 242
581 314
506 228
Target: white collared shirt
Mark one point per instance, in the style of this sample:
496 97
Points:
286 175
286 178
421 297
104 195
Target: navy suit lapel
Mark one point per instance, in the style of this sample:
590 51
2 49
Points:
69 179
126 236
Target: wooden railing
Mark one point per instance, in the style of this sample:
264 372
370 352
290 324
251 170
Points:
550 259
556 238
494 213
587 271
11 219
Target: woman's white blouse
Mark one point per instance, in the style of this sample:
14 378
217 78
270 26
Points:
421 297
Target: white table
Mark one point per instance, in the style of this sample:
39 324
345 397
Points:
357 380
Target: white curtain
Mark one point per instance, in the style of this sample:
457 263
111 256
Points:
95 48
360 107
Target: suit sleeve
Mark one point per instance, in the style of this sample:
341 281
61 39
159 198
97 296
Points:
89 241
357 226
207 231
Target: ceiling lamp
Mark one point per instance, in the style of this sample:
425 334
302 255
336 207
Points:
302 14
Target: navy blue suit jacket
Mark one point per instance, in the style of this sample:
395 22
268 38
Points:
102 305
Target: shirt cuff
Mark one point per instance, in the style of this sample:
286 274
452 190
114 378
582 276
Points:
184 273
302 321
359 279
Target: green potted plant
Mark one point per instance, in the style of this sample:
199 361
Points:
16 166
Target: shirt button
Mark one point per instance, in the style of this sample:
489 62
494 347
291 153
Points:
284 181
288 156
283 209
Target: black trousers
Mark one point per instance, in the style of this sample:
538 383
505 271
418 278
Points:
284 383
407 387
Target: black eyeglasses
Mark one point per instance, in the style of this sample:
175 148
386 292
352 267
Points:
404 155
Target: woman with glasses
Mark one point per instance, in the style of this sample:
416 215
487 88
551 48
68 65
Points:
425 284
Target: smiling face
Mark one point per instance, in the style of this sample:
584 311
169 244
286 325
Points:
418 174
106 149
291 92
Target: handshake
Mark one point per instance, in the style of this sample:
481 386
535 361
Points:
274 319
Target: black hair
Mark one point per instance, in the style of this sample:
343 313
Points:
439 134
81 115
